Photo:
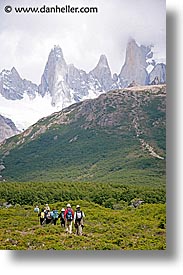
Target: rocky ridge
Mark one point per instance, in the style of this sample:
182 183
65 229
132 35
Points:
7 128
106 112
13 87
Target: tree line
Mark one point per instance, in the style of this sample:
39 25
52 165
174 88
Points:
114 196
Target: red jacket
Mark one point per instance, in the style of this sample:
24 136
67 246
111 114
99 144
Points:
66 211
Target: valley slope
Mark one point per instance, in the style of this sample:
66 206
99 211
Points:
117 137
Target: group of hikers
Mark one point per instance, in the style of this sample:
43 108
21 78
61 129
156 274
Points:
67 217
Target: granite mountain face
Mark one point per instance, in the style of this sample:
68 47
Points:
7 128
63 84
13 87
66 84
135 65
120 131
158 74
54 79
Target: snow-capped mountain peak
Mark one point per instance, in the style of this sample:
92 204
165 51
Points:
13 87
63 84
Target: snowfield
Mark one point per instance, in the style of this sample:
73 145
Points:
26 111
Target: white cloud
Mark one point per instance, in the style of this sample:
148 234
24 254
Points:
26 39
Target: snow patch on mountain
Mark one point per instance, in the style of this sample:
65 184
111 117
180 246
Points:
26 111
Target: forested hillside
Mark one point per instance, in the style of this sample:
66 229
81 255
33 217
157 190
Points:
118 137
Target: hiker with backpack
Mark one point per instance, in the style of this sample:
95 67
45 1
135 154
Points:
42 216
54 216
61 216
47 208
48 217
36 209
68 216
79 220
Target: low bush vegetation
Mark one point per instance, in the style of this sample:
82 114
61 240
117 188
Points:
141 228
111 221
110 195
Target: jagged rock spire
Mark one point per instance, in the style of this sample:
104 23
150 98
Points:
54 79
159 72
134 68
102 73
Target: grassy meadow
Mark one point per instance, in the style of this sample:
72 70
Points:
140 228
111 222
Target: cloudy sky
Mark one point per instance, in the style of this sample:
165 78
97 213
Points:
26 39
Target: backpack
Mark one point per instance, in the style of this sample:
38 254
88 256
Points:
55 214
79 215
42 215
69 215
62 215
36 210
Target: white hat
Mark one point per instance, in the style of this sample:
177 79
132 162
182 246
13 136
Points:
68 205
63 209
78 206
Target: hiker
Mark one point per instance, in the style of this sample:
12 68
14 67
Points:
42 216
79 220
47 208
48 216
54 216
61 216
36 209
68 216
